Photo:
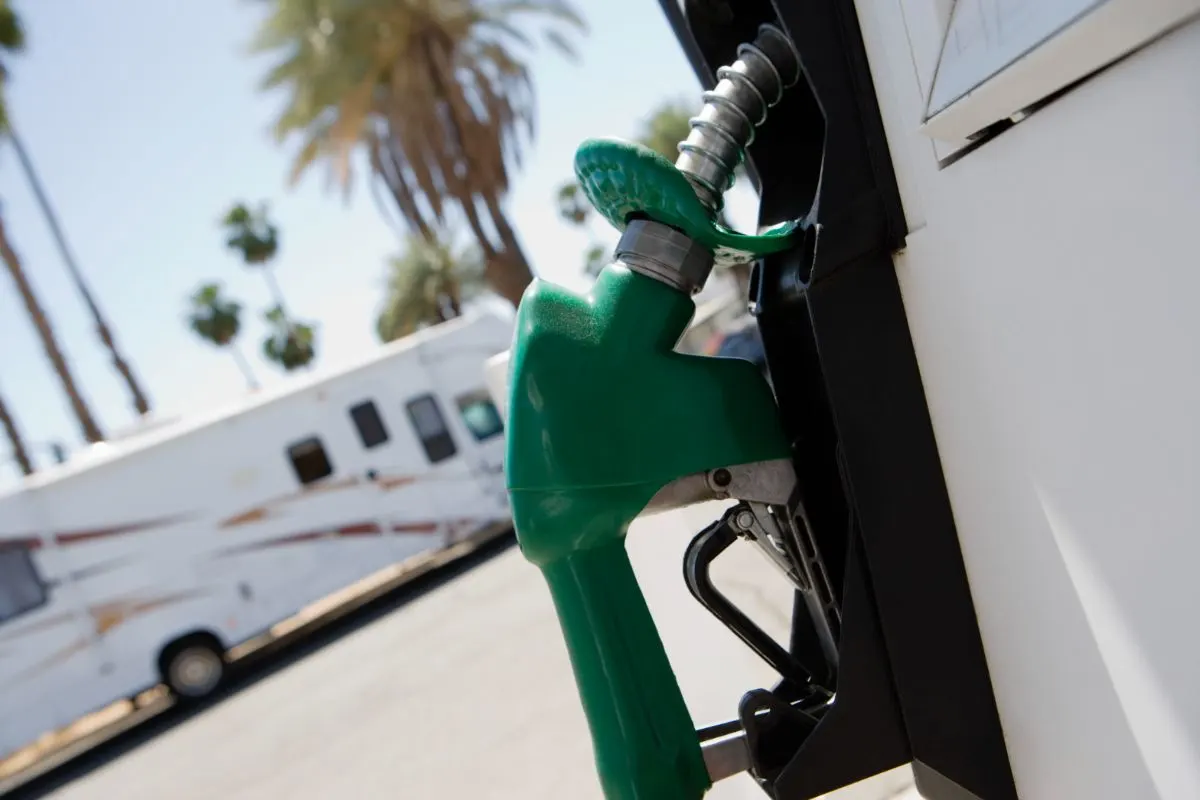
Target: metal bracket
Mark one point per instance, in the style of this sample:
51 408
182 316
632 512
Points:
769 516
703 550
770 482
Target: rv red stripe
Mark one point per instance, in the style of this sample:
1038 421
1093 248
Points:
414 527
262 512
87 535
358 529
295 538
362 529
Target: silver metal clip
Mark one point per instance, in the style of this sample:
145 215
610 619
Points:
771 520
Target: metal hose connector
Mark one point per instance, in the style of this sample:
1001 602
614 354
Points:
737 105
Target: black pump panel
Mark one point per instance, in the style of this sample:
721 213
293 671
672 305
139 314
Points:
913 683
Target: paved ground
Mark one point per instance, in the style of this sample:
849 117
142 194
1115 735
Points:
464 691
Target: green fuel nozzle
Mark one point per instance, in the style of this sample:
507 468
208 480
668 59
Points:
603 414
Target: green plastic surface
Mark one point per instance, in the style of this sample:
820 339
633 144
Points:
602 414
623 180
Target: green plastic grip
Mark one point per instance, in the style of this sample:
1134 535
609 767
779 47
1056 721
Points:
602 414
625 179
640 750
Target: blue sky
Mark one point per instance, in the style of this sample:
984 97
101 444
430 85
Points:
145 121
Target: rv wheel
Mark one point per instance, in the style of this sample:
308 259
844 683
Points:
193 669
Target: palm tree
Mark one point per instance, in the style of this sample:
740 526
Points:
595 258
19 452
433 93
12 40
573 207
218 320
290 344
428 284
252 235
140 403
41 323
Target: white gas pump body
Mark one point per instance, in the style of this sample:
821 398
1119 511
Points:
1050 279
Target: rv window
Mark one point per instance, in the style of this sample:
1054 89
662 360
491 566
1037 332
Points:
371 430
480 414
21 590
309 460
431 427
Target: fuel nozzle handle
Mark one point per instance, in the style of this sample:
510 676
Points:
603 414
644 741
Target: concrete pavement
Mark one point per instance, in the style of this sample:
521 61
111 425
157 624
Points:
465 692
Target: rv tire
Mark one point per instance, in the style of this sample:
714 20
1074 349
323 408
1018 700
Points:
193 667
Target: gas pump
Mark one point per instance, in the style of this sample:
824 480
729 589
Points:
577 481
834 466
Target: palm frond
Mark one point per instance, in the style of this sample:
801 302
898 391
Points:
436 92
427 284
12 29
214 317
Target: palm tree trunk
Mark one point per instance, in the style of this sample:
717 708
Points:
454 298
500 269
389 169
87 423
449 304
506 271
20 454
140 403
244 366
476 224
276 292
520 275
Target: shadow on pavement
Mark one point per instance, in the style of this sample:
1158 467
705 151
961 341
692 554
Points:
256 667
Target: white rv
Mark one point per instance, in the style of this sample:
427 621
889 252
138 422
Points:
146 560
